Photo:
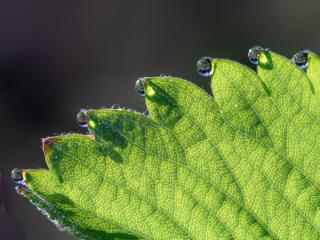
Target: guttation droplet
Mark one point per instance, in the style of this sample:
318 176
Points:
82 119
140 87
253 54
301 59
204 66
16 176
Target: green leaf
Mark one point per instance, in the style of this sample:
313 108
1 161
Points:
240 165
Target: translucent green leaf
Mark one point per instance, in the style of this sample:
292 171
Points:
240 165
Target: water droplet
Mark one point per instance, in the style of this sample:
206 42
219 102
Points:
82 119
140 86
16 176
301 59
253 54
115 107
204 66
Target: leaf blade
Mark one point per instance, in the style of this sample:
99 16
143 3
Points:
241 165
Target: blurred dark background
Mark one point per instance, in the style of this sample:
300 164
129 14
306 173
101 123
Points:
59 56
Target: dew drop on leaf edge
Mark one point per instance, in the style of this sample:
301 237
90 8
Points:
82 119
115 106
140 87
204 66
16 176
253 54
301 59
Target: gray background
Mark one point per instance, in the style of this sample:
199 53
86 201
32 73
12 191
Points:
59 56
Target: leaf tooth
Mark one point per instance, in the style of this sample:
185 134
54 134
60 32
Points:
47 144
50 144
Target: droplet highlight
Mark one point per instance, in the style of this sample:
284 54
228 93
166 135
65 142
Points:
140 86
265 60
150 91
92 124
301 59
82 118
253 54
16 176
204 66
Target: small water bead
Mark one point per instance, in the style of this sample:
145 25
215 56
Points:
253 54
115 107
140 86
204 66
16 176
82 119
301 59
